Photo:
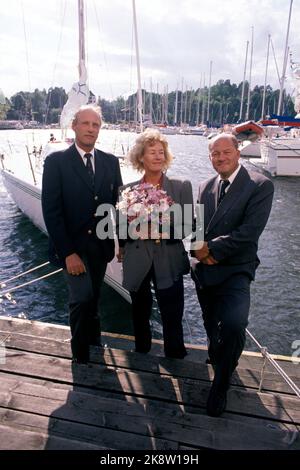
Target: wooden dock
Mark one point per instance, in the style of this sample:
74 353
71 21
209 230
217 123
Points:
124 400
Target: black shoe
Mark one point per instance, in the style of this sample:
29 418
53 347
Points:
142 351
76 360
216 402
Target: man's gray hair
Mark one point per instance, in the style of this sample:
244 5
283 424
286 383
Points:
85 107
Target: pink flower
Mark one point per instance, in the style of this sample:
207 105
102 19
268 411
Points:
146 202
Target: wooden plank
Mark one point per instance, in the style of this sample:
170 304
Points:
86 435
36 328
264 405
174 426
199 352
185 391
27 385
20 439
138 362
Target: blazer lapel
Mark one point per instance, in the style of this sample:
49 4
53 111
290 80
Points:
212 198
100 170
231 197
166 186
79 167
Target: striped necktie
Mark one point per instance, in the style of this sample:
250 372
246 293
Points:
223 185
89 167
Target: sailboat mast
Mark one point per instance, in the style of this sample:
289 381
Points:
265 86
81 36
198 102
244 81
284 61
208 98
176 107
139 93
250 75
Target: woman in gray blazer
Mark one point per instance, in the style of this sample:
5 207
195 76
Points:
160 258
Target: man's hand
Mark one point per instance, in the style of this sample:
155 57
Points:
209 260
202 254
75 265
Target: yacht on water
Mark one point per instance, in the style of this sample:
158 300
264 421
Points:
270 149
25 184
25 188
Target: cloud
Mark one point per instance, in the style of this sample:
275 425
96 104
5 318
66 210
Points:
177 38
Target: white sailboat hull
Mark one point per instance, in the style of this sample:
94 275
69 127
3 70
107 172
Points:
250 149
27 197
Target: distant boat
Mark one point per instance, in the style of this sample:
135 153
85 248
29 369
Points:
284 121
248 130
11 125
279 157
250 149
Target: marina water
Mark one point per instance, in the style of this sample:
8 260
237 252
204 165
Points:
275 299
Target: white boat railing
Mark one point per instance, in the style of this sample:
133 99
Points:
268 357
6 292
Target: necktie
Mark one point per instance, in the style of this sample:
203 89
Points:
223 185
89 167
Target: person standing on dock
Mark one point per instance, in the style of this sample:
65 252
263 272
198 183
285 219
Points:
237 204
75 182
153 255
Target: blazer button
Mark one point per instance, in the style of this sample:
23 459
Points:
96 198
90 232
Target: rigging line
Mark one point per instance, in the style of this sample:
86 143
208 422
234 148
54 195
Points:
86 40
100 29
131 67
56 58
8 291
26 47
23 273
277 70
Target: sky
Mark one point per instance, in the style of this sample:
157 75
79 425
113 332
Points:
178 39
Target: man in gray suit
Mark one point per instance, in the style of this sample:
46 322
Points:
237 204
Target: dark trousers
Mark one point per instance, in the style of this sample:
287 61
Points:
225 310
84 297
171 305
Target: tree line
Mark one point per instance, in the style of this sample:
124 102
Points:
217 106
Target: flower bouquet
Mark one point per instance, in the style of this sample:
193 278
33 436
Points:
146 208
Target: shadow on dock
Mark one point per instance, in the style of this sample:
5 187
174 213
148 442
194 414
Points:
124 400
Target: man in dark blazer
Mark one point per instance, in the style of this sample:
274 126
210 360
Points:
75 182
237 204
